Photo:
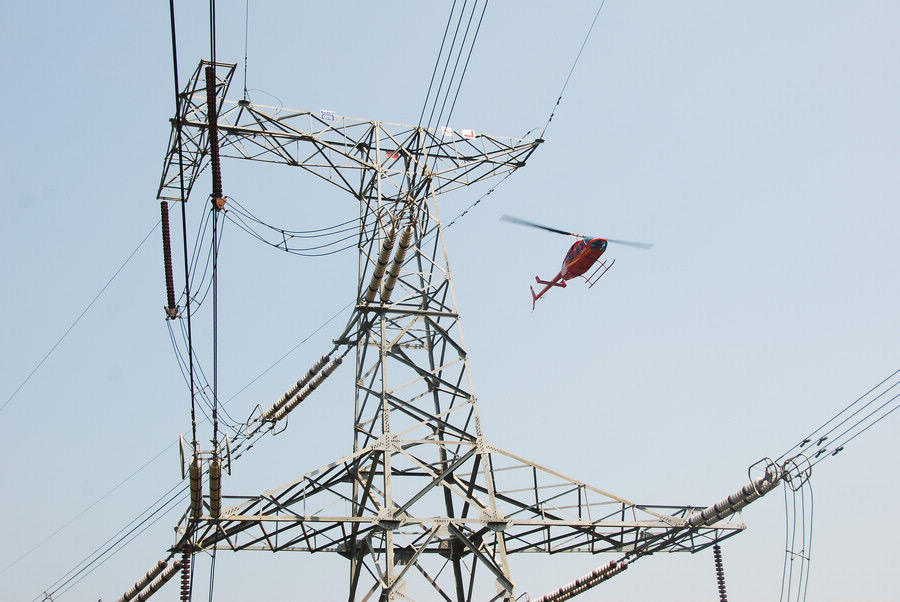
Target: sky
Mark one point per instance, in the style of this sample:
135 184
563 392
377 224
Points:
755 145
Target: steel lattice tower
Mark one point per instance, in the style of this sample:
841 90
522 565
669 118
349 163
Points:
423 502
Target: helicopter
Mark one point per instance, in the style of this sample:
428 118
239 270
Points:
582 256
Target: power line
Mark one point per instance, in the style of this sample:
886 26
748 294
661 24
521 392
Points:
337 235
449 56
103 551
111 550
187 273
572 69
78 319
468 58
866 411
552 112
440 119
791 554
345 226
436 63
86 510
200 386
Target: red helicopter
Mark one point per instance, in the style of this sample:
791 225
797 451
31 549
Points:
581 257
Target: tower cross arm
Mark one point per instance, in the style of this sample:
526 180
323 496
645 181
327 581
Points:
349 152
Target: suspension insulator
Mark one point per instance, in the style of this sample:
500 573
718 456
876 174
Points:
194 473
143 581
383 257
215 487
171 309
394 272
314 383
186 576
211 116
720 572
267 415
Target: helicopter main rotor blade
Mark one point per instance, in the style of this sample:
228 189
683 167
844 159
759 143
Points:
523 222
630 243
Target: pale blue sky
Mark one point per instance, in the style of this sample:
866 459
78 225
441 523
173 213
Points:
756 145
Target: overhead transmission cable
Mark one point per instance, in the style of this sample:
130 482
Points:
215 208
797 560
122 542
88 562
337 236
468 57
195 263
84 511
572 69
446 63
131 527
866 411
200 282
436 63
457 51
79 317
183 202
831 438
552 111
201 384
108 548
440 119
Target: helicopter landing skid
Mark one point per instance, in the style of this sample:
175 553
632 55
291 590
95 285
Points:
602 268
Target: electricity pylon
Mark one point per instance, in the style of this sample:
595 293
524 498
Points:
423 502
